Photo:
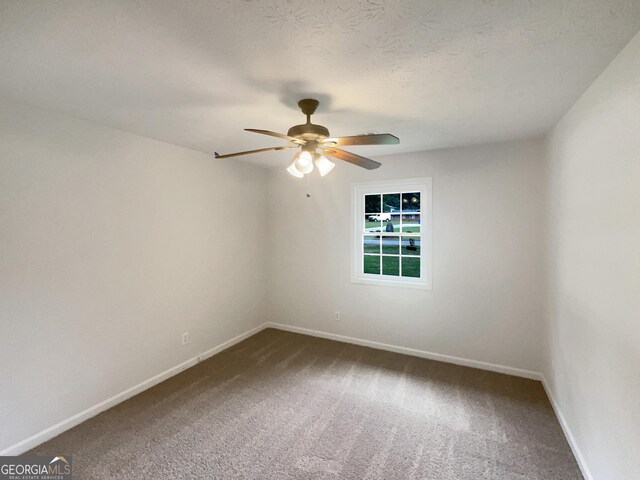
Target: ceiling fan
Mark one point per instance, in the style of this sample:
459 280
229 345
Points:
316 144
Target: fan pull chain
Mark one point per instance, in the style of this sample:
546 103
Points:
308 185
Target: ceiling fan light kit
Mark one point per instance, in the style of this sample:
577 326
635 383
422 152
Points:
294 171
301 164
323 164
303 161
316 144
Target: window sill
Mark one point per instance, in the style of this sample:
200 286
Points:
391 283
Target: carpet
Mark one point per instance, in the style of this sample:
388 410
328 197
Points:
281 405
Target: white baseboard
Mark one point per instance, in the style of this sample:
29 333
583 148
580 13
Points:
567 433
518 372
55 430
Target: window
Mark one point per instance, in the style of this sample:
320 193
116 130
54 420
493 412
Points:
392 233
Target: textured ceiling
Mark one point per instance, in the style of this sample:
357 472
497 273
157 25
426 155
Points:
195 73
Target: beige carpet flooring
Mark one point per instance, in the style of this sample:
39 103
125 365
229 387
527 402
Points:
281 405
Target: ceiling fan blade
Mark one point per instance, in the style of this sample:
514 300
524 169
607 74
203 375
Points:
277 135
373 139
363 162
228 155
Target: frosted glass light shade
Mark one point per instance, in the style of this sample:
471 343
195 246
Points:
304 162
324 164
294 171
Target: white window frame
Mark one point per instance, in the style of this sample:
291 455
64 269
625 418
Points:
358 192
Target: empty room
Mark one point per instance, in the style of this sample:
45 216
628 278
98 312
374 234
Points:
283 239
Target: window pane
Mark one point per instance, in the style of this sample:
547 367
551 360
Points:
372 223
411 267
371 244
393 225
410 246
391 266
411 223
372 204
371 264
391 245
391 202
411 202
390 223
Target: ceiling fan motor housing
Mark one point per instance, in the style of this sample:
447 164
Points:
309 132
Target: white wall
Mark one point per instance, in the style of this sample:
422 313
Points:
111 246
488 279
594 265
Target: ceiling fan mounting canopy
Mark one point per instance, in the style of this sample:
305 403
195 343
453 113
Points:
308 106
316 144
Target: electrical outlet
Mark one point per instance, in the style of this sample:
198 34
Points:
185 338
337 316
